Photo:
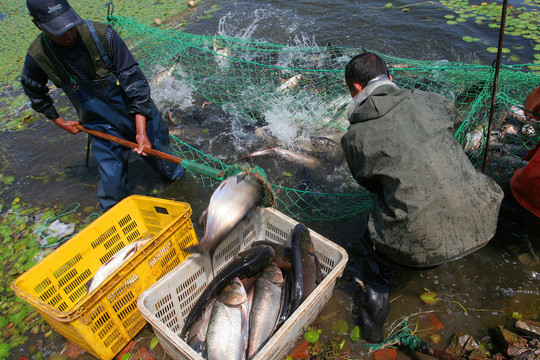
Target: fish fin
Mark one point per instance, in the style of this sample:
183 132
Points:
89 284
204 215
241 176
250 214
130 253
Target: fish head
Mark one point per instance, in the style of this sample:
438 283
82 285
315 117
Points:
301 233
256 258
273 274
234 294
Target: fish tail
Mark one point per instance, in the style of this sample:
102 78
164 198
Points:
256 153
193 249
212 265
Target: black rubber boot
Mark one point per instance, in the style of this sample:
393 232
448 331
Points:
373 305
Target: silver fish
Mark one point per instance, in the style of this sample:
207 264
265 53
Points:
290 84
247 263
265 309
229 324
290 155
235 199
111 265
223 53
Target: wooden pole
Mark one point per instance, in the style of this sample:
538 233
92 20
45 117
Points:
187 164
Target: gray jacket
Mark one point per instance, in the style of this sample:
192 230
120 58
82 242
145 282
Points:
432 205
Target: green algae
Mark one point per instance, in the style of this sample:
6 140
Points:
20 224
18 31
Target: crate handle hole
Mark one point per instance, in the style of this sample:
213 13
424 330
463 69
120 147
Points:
161 210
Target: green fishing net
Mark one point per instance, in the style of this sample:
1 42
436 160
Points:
251 79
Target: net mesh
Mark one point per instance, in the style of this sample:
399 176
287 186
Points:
251 79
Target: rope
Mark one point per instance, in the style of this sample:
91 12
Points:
72 78
41 228
259 176
404 337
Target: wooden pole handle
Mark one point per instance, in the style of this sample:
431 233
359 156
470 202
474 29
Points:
129 144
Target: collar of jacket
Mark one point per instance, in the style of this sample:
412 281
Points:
366 91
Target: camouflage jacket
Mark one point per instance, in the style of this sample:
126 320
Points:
432 205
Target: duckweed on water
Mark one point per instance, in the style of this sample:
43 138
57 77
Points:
522 21
18 31
19 227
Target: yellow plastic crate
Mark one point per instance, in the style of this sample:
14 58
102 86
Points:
105 320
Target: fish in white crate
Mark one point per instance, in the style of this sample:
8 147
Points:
228 329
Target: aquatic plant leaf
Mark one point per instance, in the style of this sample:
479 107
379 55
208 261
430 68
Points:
4 350
340 327
153 342
435 338
492 50
311 336
388 5
470 39
356 334
429 297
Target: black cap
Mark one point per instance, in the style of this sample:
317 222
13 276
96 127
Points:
55 16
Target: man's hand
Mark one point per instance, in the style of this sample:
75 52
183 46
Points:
142 138
69 126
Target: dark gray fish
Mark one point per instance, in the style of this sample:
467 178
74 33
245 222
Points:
196 338
228 329
285 300
235 199
306 268
248 263
311 269
297 292
265 308
282 257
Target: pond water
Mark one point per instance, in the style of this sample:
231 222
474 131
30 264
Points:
478 292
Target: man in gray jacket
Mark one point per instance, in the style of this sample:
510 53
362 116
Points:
432 206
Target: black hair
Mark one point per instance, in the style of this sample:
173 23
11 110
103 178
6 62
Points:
364 67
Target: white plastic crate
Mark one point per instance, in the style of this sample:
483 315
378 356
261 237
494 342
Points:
167 303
